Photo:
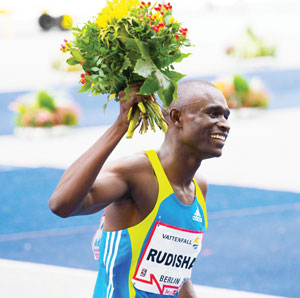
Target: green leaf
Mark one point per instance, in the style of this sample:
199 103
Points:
175 76
105 106
85 87
167 88
150 86
99 61
163 80
182 56
125 65
127 92
187 43
94 68
101 73
143 48
96 93
137 45
129 42
77 55
94 60
144 68
170 93
72 61
177 57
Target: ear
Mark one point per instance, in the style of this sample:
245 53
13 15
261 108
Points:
176 117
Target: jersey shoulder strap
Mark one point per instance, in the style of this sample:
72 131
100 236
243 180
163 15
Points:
165 188
201 201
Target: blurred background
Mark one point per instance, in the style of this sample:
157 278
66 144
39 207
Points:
252 242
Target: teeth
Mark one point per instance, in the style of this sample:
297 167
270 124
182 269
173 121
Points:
220 137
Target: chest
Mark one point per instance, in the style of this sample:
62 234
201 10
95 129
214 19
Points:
146 192
170 247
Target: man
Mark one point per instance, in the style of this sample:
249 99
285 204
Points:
155 213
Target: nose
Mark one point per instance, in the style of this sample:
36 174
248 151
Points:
224 125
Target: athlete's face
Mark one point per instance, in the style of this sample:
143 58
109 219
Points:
205 123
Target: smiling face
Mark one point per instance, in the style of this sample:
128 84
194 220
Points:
204 121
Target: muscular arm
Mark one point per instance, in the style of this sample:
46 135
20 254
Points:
77 192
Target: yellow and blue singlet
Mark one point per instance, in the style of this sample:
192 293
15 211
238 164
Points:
155 257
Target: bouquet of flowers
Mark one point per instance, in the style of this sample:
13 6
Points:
240 93
131 43
43 111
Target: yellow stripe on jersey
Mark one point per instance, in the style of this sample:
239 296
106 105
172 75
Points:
201 201
139 232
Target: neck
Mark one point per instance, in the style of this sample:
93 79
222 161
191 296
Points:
179 162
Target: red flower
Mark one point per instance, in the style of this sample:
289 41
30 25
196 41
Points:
149 3
183 30
177 36
155 28
82 75
162 13
143 3
83 81
87 73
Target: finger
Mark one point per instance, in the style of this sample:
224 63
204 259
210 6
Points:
121 94
144 97
139 98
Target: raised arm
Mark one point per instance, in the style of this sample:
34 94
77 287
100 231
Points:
75 193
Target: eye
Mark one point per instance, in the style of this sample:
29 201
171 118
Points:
213 114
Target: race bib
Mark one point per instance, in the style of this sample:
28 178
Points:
168 259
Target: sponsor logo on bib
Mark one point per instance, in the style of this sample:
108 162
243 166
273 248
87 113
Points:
169 257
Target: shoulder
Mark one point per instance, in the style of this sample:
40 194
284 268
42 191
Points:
202 182
134 176
130 167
